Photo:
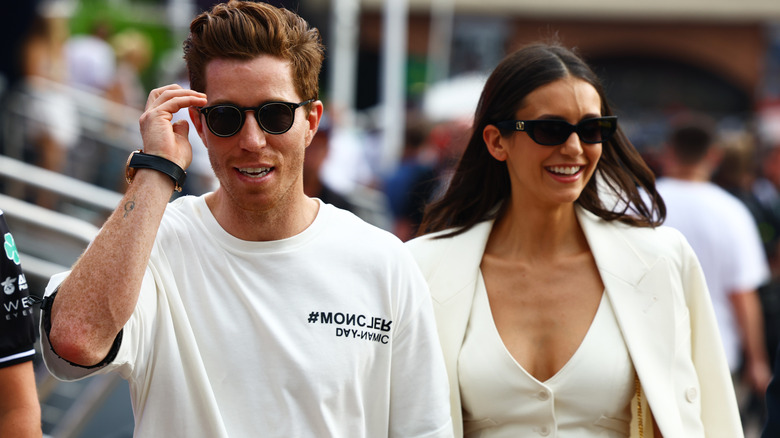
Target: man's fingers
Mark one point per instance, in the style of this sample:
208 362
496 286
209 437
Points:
173 98
181 127
154 94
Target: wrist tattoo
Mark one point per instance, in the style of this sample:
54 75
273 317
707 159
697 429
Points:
129 206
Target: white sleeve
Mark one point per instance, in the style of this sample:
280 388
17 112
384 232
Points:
129 342
420 403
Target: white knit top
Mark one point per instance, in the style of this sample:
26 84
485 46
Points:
588 397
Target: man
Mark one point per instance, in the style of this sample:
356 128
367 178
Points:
410 186
725 238
253 310
764 202
20 412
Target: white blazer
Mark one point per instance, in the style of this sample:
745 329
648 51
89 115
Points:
662 305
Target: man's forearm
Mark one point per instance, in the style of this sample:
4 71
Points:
20 411
98 297
750 320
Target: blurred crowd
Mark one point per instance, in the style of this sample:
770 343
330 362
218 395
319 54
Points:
71 101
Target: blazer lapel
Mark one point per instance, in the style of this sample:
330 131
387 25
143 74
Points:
632 280
462 266
453 284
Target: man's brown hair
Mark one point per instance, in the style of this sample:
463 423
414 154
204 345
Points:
245 30
691 138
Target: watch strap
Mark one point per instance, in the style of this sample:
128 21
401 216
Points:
140 160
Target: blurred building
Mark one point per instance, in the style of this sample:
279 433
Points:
717 56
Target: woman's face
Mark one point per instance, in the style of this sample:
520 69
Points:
551 175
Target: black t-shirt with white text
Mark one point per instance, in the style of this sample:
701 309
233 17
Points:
17 330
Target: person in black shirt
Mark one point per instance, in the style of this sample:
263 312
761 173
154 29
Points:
20 412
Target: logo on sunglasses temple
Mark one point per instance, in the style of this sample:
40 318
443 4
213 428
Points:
549 132
227 119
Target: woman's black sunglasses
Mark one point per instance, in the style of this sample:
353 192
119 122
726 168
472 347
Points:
226 119
549 132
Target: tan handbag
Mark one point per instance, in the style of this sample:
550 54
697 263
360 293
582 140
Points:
641 418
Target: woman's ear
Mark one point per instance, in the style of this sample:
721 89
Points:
495 142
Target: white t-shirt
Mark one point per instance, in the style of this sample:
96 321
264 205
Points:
725 238
329 333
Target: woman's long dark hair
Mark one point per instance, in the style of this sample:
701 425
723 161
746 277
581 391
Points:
481 183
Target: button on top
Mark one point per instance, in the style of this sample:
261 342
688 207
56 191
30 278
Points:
543 395
691 394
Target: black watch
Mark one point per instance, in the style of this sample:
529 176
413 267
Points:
140 160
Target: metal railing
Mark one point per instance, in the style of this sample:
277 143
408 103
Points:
95 202
48 241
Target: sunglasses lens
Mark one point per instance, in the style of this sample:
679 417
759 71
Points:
590 131
597 130
224 120
550 132
275 118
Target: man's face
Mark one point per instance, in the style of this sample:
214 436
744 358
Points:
257 171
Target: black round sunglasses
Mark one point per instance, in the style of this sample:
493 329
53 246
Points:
549 132
226 119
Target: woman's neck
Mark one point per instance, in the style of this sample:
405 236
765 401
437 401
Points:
535 233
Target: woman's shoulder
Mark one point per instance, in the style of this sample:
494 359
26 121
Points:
662 233
661 242
652 241
441 240
430 249
427 248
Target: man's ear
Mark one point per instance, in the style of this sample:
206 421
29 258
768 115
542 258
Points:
495 142
313 117
198 123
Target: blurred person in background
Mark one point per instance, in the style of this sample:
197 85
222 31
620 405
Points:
91 61
564 308
747 171
347 166
766 192
448 139
724 235
313 184
133 53
20 411
410 186
772 426
765 206
253 309
43 118
759 190
13 33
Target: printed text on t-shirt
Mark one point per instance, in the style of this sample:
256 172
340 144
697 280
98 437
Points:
354 320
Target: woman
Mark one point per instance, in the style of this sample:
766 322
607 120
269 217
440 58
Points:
557 295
